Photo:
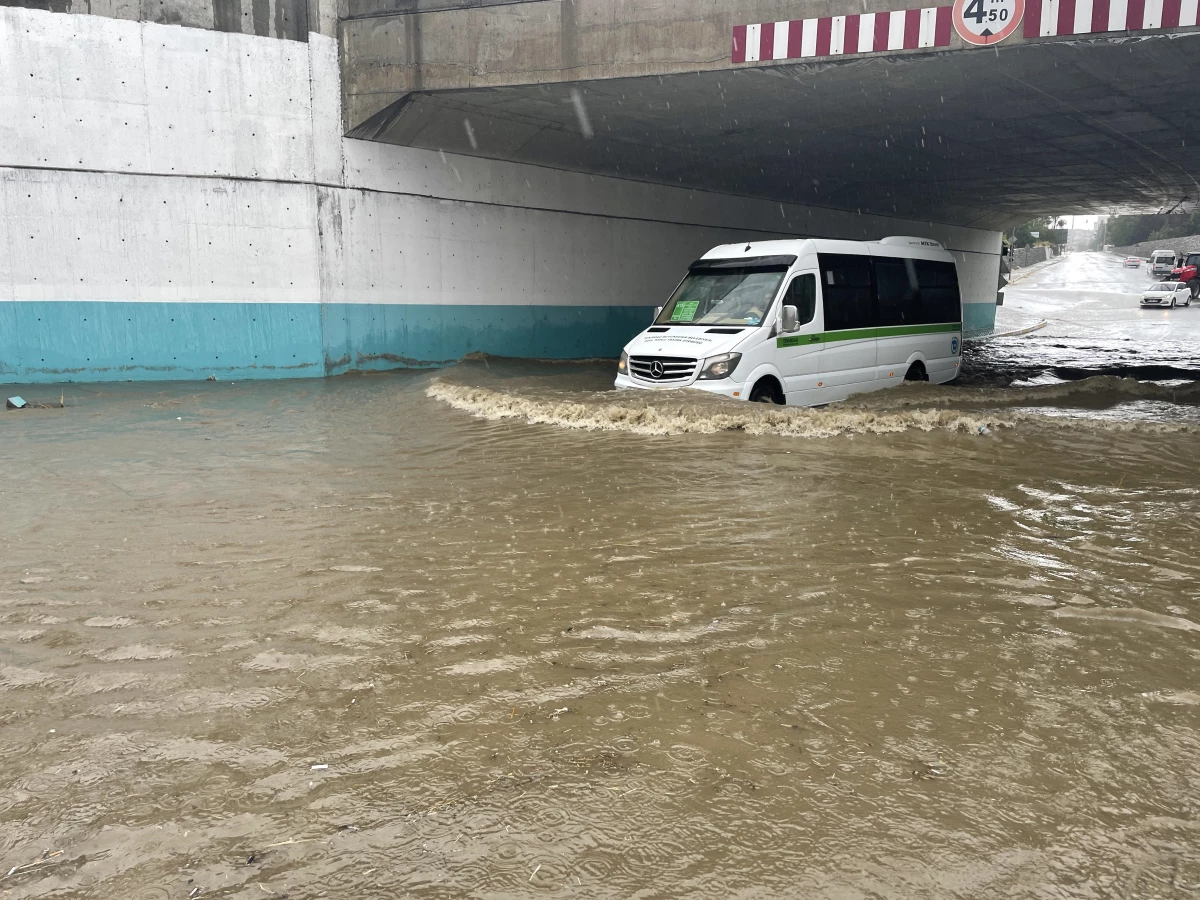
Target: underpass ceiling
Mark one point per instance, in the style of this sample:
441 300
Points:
982 137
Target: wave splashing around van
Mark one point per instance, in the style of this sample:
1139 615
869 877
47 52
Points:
1102 403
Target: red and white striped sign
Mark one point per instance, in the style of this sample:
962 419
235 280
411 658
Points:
1048 18
912 29
902 29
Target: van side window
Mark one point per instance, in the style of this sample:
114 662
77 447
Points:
846 287
916 291
875 291
940 298
802 294
899 292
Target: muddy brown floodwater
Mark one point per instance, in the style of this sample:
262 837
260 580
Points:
497 632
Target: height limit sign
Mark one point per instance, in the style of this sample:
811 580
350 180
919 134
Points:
986 22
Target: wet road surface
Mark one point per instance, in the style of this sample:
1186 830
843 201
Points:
496 631
1089 302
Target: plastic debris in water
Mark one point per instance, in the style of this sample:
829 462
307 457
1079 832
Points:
16 403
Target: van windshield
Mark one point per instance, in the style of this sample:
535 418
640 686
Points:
723 296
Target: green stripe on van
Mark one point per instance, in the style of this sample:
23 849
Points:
855 334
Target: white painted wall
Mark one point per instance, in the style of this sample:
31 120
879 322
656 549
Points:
99 236
88 92
152 162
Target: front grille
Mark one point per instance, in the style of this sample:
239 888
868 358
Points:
674 368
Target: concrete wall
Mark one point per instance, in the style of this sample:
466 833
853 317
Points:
286 19
1027 256
177 202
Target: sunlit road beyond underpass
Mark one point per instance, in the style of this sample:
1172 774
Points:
499 631
1094 324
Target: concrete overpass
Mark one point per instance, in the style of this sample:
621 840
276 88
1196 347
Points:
277 188
1087 107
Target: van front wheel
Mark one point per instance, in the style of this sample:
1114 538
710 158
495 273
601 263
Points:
767 391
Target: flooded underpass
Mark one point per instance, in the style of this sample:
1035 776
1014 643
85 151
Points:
496 631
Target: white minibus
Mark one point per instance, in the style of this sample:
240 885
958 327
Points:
804 322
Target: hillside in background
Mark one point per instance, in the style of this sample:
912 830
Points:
1127 231
1191 243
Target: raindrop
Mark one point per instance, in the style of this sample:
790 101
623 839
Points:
585 124
470 134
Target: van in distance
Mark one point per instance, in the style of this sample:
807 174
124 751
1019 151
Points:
1163 262
804 322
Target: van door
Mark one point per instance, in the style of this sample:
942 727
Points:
848 352
797 352
898 292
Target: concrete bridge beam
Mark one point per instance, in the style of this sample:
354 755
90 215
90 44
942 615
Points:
981 137
392 47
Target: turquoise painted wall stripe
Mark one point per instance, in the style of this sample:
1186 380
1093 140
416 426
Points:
44 341
47 341
10 363
382 336
978 319
118 341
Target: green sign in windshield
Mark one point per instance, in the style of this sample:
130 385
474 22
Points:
684 311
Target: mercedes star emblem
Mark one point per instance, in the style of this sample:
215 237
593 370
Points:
656 369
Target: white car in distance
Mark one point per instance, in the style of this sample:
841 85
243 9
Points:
1167 293
1133 262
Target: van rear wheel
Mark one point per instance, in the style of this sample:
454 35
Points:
767 391
916 372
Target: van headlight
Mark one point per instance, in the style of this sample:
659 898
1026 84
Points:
623 365
717 367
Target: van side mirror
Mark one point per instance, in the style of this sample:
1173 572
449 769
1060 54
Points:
791 319
657 313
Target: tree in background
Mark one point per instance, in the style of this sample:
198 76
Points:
1050 230
1126 230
